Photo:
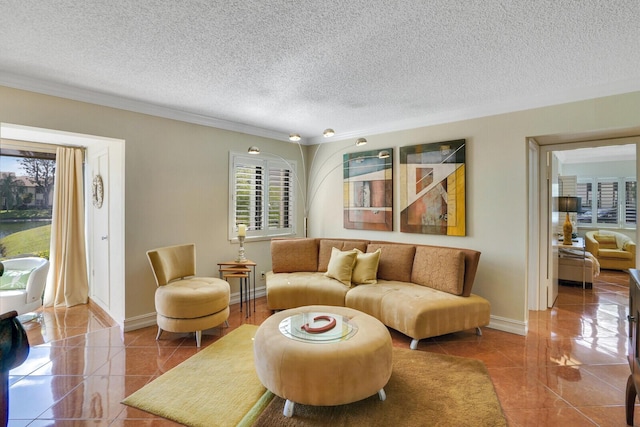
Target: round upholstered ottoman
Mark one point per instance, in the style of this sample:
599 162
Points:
192 304
297 360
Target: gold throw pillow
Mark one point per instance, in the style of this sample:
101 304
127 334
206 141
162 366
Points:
341 265
365 271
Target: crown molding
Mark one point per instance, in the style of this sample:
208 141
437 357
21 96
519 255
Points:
107 100
513 105
502 107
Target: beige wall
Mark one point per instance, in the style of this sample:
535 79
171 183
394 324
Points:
177 184
176 187
496 189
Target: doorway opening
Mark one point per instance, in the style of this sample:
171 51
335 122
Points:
106 288
593 149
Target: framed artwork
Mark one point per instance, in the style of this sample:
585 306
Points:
432 183
368 190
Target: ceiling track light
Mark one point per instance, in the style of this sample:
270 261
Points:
295 137
360 142
328 133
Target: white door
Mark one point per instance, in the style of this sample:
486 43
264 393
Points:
99 165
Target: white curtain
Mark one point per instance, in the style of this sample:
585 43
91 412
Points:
67 282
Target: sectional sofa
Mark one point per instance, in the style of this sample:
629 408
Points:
420 290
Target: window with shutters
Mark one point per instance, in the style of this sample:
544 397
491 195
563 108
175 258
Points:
585 192
607 197
607 202
262 193
630 202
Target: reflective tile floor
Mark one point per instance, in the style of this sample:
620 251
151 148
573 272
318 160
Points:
570 370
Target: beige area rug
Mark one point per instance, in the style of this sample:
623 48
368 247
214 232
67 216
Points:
425 389
219 387
216 387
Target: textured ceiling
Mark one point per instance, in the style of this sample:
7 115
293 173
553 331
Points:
358 66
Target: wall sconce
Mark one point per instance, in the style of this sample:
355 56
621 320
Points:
360 142
295 137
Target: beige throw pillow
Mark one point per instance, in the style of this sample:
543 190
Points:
365 271
341 265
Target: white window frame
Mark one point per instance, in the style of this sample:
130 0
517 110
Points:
271 166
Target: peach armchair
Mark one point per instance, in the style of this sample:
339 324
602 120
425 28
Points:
184 302
614 251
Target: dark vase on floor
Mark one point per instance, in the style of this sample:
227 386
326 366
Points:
14 349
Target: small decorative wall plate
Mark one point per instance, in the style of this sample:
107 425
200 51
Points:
97 191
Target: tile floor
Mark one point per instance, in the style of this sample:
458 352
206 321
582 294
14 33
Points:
570 370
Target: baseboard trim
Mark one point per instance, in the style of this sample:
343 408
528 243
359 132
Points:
139 322
508 325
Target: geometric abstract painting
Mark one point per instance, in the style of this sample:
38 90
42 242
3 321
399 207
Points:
432 188
368 190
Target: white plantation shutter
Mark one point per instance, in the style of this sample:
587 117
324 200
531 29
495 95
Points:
280 197
248 193
585 192
607 202
262 191
630 202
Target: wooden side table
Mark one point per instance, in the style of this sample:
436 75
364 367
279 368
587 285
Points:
245 271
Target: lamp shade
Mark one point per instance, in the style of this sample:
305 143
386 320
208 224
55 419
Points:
569 204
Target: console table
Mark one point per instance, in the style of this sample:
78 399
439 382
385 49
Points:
245 272
633 383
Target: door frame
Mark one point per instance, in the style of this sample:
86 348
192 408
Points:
542 203
116 147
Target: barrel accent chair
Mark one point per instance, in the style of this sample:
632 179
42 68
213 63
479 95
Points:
183 301
613 250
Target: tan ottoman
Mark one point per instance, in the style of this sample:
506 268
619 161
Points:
348 363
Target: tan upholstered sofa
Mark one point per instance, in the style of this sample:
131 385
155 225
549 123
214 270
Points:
614 251
420 290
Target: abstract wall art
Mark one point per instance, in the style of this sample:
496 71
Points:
432 184
368 190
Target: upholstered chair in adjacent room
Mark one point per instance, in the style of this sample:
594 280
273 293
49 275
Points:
614 251
184 302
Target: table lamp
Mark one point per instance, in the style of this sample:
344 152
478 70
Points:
242 233
568 204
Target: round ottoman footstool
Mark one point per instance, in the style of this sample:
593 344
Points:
349 362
